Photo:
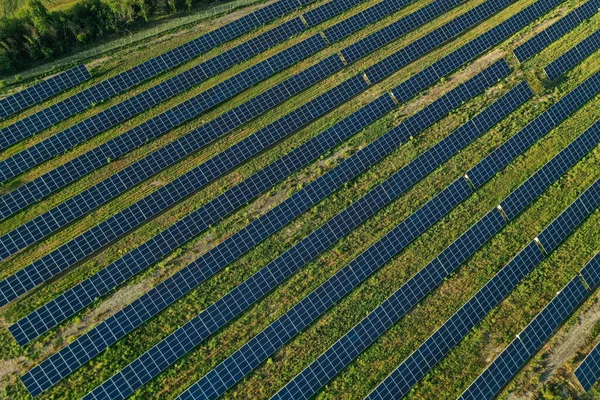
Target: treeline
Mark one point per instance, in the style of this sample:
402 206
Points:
35 34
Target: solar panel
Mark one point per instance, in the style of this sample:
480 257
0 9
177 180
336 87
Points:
588 372
364 18
420 362
591 272
574 56
127 79
440 35
328 10
399 28
119 224
313 377
335 288
556 31
44 90
223 254
149 98
526 344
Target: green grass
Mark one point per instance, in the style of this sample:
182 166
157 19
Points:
463 364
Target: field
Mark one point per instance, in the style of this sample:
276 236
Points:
549 375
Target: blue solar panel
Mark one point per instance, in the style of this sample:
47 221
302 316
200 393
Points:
147 99
139 135
574 56
109 230
399 28
527 343
557 30
241 242
589 371
313 245
535 130
125 80
364 18
418 364
328 10
591 272
44 90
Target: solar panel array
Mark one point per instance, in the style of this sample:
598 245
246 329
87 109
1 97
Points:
574 56
166 352
143 101
407 93
556 30
50 182
127 79
307 249
192 275
377 322
529 341
588 372
122 222
69 172
420 362
432 74
44 90
126 220
328 10
262 346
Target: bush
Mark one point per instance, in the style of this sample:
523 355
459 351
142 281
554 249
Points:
35 34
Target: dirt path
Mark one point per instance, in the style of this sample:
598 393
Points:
565 346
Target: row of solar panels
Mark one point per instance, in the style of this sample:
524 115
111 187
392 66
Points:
148 69
126 220
188 277
362 335
421 77
537 332
44 90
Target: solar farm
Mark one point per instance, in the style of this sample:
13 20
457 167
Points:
332 199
